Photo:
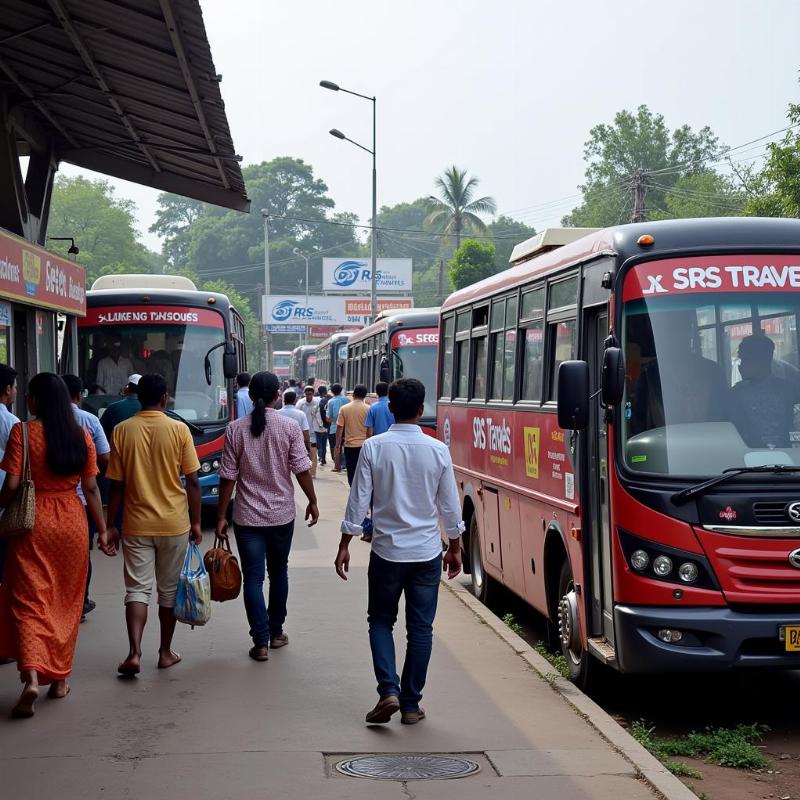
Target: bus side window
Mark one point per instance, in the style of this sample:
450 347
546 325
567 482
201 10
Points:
446 381
532 361
562 334
478 388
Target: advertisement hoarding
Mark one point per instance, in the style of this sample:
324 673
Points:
362 306
292 310
324 331
355 275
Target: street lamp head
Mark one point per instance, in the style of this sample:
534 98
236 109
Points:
297 251
264 212
334 87
337 133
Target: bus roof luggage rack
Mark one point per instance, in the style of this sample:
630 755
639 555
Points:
143 281
548 239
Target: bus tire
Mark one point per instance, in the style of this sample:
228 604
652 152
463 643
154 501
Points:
582 666
480 580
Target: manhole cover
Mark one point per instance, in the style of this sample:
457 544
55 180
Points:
408 767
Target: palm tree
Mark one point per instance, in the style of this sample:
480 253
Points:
456 209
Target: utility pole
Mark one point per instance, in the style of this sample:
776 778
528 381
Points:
267 333
440 293
639 189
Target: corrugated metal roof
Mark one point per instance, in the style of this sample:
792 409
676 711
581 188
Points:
128 89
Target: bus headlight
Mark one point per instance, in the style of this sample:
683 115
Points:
205 467
215 465
662 566
640 559
688 572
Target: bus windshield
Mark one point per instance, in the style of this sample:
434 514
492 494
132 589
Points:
281 361
418 361
712 381
108 354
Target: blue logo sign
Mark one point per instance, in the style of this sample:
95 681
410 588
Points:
283 310
348 272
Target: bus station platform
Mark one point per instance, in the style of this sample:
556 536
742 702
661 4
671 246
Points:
220 726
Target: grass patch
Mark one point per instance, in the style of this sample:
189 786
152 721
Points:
556 659
512 623
728 747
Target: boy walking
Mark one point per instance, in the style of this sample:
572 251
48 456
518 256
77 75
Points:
411 475
149 453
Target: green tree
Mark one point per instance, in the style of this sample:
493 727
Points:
776 192
456 209
251 323
472 262
103 226
637 142
706 194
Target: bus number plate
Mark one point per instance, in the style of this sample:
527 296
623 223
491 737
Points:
790 636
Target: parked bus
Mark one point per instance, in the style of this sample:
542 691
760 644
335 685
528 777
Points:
304 361
332 360
399 344
163 324
622 414
282 363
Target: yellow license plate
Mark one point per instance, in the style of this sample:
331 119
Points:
790 634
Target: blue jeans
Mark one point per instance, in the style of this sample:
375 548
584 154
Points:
260 547
322 446
419 581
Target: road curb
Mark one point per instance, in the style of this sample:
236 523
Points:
647 766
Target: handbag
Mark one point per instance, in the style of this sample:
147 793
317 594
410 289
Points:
193 598
20 514
223 571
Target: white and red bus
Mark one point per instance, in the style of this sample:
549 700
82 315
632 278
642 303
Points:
304 362
164 325
282 363
331 362
399 344
621 468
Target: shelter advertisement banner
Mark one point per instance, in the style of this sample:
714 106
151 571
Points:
355 275
32 275
292 310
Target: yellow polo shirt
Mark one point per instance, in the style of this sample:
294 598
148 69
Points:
352 417
149 453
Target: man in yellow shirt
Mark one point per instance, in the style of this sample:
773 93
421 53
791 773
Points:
149 453
351 430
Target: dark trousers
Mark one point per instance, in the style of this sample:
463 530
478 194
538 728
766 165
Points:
350 461
419 581
259 547
322 446
332 444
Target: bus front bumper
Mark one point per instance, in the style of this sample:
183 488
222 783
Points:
712 639
209 488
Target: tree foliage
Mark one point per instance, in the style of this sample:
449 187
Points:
457 210
506 233
472 262
636 142
102 225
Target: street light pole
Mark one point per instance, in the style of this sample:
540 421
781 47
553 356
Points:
374 237
305 257
267 292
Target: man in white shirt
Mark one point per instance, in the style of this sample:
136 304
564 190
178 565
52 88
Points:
244 405
8 393
411 477
113 370
309 405
290 410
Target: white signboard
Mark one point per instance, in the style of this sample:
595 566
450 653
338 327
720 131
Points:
355 275
292 310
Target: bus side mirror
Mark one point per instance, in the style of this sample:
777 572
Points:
612 381
230 365
384 369
573 395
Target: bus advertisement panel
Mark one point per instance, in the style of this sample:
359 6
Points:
624 418
195 340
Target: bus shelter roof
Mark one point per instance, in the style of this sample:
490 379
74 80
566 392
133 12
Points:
128 89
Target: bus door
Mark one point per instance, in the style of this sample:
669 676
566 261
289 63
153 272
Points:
598 521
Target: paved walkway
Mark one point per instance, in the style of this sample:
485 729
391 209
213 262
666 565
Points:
223 727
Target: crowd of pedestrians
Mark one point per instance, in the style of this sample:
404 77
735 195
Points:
401 482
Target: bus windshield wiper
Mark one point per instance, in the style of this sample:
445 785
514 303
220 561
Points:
679 498
196 429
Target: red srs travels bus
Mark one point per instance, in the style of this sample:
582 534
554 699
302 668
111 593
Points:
399 344
162 324
282 363
658 525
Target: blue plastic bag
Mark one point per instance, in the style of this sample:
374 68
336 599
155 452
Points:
193 598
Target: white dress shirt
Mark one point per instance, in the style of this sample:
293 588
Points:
297 415
410 475
7 422
113 375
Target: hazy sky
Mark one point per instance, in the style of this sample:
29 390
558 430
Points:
506 89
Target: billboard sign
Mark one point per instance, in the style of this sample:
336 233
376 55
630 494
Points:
355 275
292 310
328 330
285 328
362 306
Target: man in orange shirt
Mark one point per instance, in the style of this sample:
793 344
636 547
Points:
149 453
351 431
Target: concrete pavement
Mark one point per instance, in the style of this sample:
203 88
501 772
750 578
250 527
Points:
222 726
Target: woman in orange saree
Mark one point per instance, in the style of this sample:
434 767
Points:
44 578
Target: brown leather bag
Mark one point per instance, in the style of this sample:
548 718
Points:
223 571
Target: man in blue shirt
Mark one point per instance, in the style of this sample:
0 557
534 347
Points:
122 409
8 393
379 418
332 408
91 424
244 405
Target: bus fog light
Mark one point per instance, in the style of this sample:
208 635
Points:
214 490
688 572
215 464
669 635
640 559
205 468
662 566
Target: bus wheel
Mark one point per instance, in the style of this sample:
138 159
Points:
480 580
582 667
